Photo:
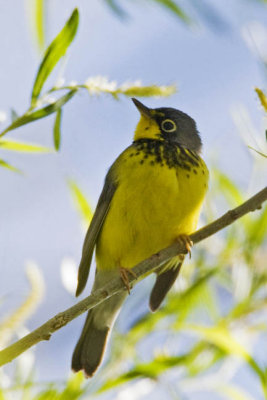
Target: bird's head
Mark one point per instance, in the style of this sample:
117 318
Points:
167 124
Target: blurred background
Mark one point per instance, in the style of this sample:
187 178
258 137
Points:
215 52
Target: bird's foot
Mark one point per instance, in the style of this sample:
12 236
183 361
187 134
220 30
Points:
125 278
187 242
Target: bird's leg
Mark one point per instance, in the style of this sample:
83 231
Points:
185 240
124 277
181 257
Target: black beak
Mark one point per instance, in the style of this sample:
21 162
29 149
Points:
145 111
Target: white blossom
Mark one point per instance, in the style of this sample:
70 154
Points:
3 116
136 391
98 84
68 271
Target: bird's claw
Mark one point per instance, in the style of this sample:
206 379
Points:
186 241
124 277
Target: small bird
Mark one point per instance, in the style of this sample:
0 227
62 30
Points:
152 197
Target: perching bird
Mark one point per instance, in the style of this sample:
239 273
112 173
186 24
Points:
152 197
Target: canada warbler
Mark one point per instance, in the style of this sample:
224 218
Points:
152 196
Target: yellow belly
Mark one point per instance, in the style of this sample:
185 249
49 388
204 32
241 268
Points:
152 205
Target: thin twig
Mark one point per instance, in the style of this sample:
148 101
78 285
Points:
141 270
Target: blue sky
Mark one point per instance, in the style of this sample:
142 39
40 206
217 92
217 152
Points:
214 70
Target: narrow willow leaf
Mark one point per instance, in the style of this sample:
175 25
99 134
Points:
54 52
22 147
262 97
151 370
4 164
100 84
149 91
49 393
40 22
198 294
179 306
57 130
172 6
73 390
234 392
17 318
14 114
82 204
228 188
221 336
244 308
257 151
74 387
154 368
41 113
258 229
116 8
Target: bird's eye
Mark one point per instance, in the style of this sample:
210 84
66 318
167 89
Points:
168 125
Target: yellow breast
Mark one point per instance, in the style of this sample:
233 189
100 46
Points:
159 195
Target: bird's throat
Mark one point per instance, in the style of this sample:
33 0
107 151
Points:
147 128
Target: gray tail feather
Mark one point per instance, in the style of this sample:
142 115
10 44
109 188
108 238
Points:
163 283
90 348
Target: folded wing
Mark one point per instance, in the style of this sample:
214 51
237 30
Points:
93 231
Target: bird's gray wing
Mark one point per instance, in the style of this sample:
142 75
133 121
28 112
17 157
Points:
94 229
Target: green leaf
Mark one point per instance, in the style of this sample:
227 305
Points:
258 229
221 337
81 202
257 151
233 392
48 394
147 91
14 114
4 164
158 365
54 52
57 129
170 5
262 98
115 8
178 305
175 9
228 188
151 370
73 389
198 294
22 147
39 22
41 113
100 84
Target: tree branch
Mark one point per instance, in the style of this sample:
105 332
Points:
149 265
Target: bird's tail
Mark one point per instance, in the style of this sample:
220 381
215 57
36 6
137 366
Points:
90 348
165 279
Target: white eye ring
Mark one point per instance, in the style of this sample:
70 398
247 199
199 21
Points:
168 121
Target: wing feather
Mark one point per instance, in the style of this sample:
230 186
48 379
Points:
93 231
